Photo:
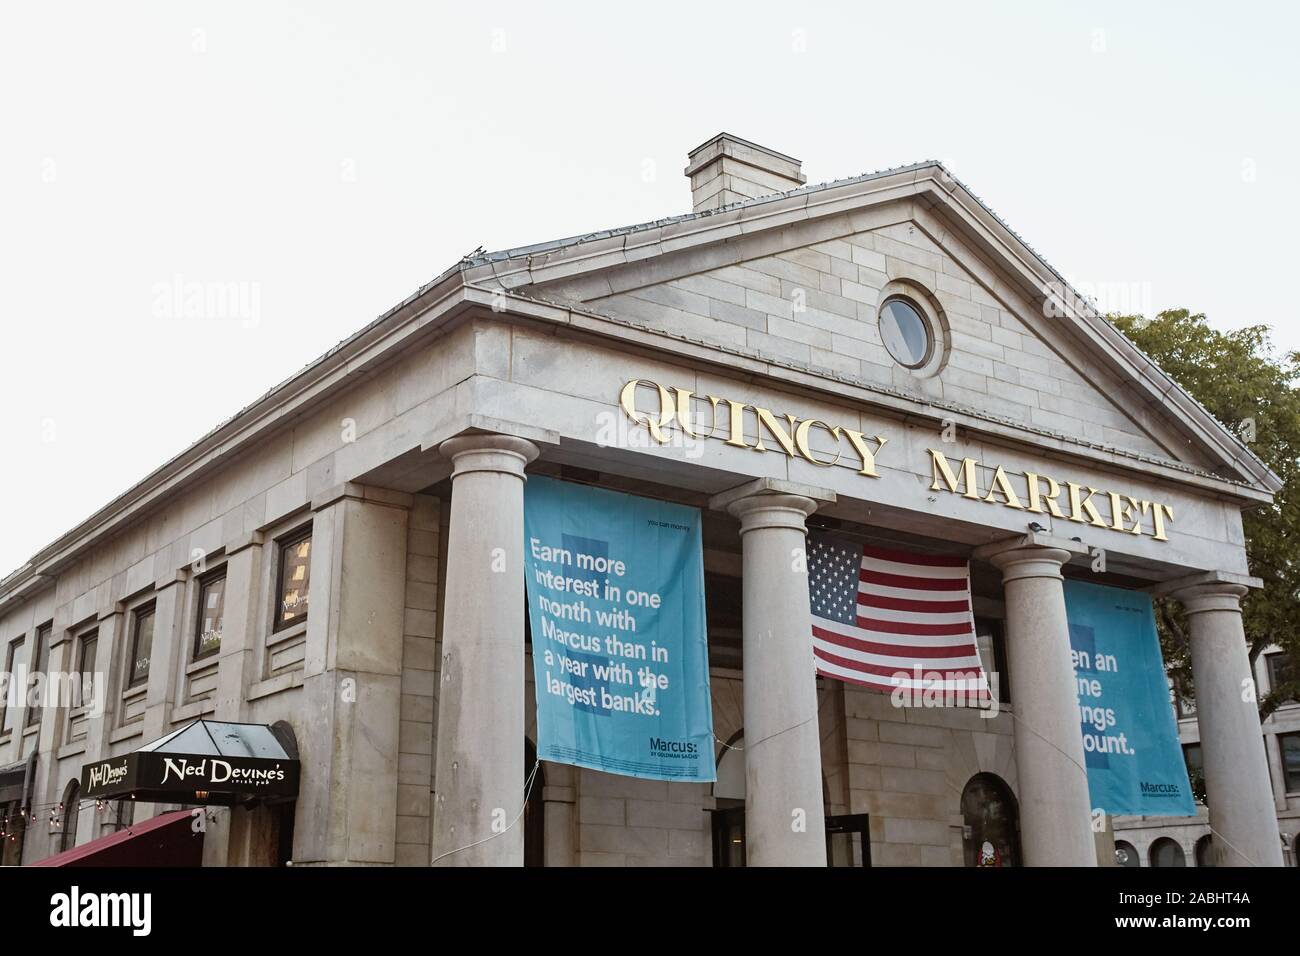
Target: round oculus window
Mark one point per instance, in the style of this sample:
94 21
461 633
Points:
905 332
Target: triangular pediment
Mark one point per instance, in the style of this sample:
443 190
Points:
801 282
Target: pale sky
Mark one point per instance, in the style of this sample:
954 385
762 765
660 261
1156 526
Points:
318 162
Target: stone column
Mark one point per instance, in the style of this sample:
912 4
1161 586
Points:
785 822
347 723
1052 781
1243 817
245 605
478 788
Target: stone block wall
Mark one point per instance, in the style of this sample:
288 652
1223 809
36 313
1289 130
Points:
817 306
907 768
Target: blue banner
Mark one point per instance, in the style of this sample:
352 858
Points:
1130 737
620 651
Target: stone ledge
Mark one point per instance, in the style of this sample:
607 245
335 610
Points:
1166 588
360 492
474 423
1030 539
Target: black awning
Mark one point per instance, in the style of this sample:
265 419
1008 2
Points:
205 762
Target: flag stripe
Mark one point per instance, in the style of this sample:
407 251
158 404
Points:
904 651
910 581
913 627
869 599
914 570
907 557
961 674
909 594
965 689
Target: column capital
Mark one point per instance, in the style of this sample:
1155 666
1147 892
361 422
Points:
1034 555
1210 596
771 503
488 452
773 511
1208 591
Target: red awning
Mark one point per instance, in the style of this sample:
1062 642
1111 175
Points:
166 840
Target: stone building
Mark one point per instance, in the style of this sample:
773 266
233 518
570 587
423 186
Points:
323 562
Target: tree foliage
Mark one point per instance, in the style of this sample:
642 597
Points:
1243 383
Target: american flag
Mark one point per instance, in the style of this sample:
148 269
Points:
887 619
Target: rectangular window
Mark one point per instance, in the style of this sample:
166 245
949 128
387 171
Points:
38 667
212 607
141 645
294 579
9 714
1290 744
87 649
1280 674
1192 757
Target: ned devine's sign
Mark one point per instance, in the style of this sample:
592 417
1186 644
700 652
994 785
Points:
191 778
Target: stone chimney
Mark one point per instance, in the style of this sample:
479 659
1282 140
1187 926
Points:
729 169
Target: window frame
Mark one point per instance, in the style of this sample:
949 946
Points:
1188 748
1290 785
927 325
283 544
85 637
201 590
147 610
40 661
11 655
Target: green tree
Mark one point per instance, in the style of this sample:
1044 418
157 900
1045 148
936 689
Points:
1242 382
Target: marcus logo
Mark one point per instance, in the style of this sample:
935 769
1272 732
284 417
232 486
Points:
1160 789
74 908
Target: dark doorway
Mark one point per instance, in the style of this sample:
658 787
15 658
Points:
729 836
848 839
534 809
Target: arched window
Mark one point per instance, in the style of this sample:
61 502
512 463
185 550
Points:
68 816
1165 852
534 810
1126 854
991 834
1205 851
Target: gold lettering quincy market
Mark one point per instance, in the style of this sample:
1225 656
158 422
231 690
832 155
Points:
792 436
1039 494
736 423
